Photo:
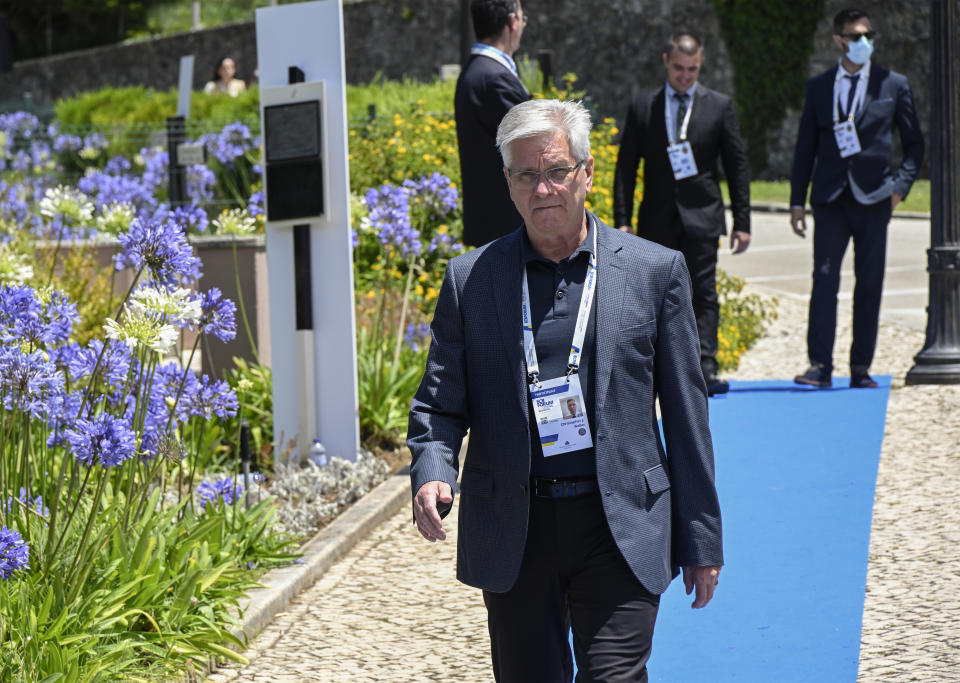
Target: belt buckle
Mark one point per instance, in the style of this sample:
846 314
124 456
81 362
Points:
549 489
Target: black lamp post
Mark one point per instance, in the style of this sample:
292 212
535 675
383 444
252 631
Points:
939 360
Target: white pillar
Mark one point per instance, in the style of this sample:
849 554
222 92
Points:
318 401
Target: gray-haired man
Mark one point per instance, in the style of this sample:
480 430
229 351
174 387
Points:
580 522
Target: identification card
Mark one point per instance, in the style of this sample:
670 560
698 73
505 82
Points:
682 161
561 420
847 141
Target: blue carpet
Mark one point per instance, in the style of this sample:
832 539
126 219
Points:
796 471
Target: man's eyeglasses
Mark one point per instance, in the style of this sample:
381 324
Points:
527 180
855 36
523 19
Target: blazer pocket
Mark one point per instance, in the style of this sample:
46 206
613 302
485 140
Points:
657 479
476 483
641 336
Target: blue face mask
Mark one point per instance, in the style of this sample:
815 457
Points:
859 51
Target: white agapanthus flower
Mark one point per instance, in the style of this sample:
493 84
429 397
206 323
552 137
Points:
14 268
140 328
235 222
179 306
70 203
115 218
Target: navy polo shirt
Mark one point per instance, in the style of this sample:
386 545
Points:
555 290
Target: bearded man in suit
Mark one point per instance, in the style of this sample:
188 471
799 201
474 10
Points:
680 130
845 144
567 523
486 90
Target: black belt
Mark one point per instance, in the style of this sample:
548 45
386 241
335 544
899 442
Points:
564 488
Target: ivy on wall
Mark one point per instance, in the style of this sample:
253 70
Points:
769 44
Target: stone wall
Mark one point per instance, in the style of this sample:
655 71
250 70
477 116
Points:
614 48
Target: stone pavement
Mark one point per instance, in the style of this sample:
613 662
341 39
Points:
391 609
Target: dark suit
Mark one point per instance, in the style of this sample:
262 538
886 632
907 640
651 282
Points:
486 90
660 503
685 214
851 199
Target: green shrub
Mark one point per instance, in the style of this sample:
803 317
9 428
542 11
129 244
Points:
743 318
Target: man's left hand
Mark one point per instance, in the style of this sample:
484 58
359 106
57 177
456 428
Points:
705 579
739 241
895 199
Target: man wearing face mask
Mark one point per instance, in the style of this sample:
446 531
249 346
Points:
845 143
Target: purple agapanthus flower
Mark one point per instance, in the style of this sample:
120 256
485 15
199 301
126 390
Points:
105 439
105 188
193 218
255 204
200 183
161 247
155 162
437 194
34 503
414 334
230 144
117 165
24 319
218 315
28 381
389 208
14 552
19 126
219 489
210 399
67 143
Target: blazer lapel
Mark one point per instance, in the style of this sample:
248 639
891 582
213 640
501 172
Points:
658 122
873 89
825 99
611 288
505 279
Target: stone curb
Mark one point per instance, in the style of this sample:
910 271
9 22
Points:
283 584
780 207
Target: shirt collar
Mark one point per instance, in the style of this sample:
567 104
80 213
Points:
862 70
690 91
528 253
496 53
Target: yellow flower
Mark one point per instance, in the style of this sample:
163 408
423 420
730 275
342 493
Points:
419 290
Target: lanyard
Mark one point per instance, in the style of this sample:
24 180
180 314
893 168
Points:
858 97
579 332
671 129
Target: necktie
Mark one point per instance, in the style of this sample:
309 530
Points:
853 91
681 110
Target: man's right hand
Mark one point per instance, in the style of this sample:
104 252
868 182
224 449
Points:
425 511
624 228
798 221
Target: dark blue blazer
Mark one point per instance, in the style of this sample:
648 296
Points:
660 503
486 90
887 103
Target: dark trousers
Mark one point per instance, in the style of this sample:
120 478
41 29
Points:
700 255
834 225
572 576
